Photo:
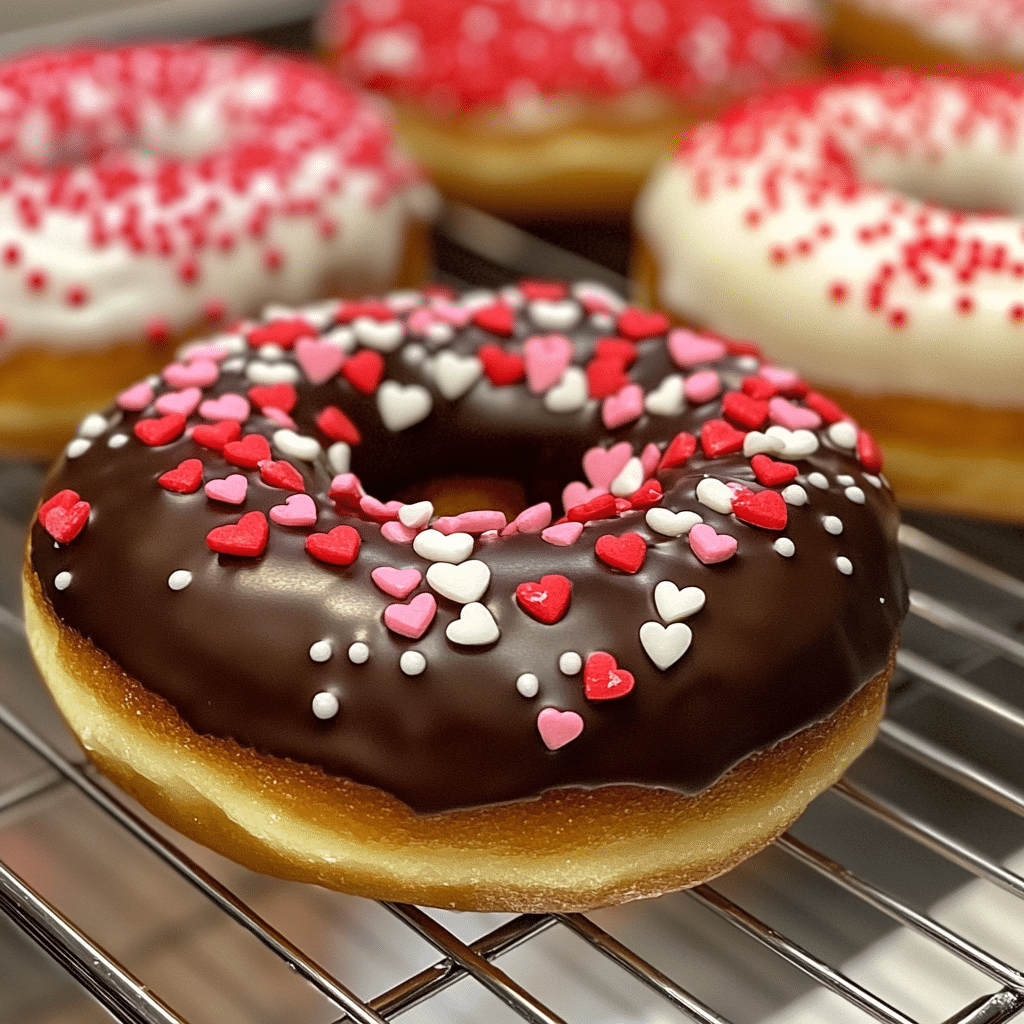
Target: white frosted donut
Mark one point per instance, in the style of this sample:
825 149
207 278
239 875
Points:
150 191
828 224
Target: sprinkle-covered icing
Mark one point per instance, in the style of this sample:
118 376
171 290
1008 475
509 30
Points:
792 220
461 55
148 189
658 610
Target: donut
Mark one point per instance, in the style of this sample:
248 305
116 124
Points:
830 224
559 110
149 193
620 689
937 35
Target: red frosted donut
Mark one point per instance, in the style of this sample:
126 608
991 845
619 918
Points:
150 192
533 711
559 109
831 224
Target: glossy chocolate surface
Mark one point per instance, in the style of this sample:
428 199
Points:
779 643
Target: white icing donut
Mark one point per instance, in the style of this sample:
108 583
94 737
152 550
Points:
818 222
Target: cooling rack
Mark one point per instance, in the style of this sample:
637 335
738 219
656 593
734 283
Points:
896 898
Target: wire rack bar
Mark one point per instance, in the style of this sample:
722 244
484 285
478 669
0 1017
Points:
947 617
994 1009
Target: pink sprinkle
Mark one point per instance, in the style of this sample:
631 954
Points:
136 398
181 402
227 407
703 386
398 533
411 619
231 489
281 418
578 493
298 510
199 373
602 467
625 405
546 359
563 534
792 417
471 522
687 349
531 520
399 583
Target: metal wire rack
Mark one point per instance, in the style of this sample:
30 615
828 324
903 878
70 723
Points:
897 897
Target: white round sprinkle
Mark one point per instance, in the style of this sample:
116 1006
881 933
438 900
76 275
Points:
358 653
77 447
62 580
179 579
785 547
117 440
325 705
602 321
844 565
271 351
414 354
818 480
92 426
528 684
833 525
855 494
321 650
412 663
845 480
843 434
794 494
748 364
233 365
570 663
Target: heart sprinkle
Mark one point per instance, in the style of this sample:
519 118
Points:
339 546
603 679
548 600
557 728
626 553
247 538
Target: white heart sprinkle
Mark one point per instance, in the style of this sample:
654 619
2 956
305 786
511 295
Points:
844 565
554 315
358 653
260 372
339 455
416 515
833 525
474 627
79 446
438 334
715 494
62 580
454 375
528 684
665 645
320 651
382 335
667 399
794 494
402 406
570 663
412 663
179 579
325 705
464 583
629 479
296 446
669 523
785 547
92 426
569 394
756 443
343 337
674 604
233 365
843 434
439 547
796 444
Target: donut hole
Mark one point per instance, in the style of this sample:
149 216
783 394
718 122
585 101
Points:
454 494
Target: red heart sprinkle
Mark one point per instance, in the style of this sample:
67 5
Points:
496 318
246 538
338 547
679 449
500 366
364 371
770 473
603 679
216 435
639 323
550 290
605 377
720 438
281 332
548 600
600 507
337 426
249 452
62 499
824 407
281 474
185 478
160 431
273 396
619 349
746 411
64 522
626 552
650 493
766 509
346 491
379 311
758 388
868 452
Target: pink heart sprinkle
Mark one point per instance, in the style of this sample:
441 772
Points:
477 522
298 510
602 467
376 509
227 407
411 619
709 546
625 405
546 359
398 583
703 386
419 321
398 533
181 402
231 489
530 520
452 313
562 534
792 417
211 350
578 493
199 373
649 459
687 349
281 418
780 377
557 728
136 398
320 360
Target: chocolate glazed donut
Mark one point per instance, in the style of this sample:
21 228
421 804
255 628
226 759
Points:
482 710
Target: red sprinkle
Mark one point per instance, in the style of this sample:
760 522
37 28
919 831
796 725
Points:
65 523
637 324
185 478
364 371
502 368
281 474
601 507
869 453
249 452
496 318
766 509
720 438
603 679
273 396
337 426
247 538
626 552
337 547
771 473
216 435
159 431
282 332
548 600
679 449
746 411
605 377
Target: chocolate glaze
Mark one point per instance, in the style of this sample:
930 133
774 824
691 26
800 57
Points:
780 643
